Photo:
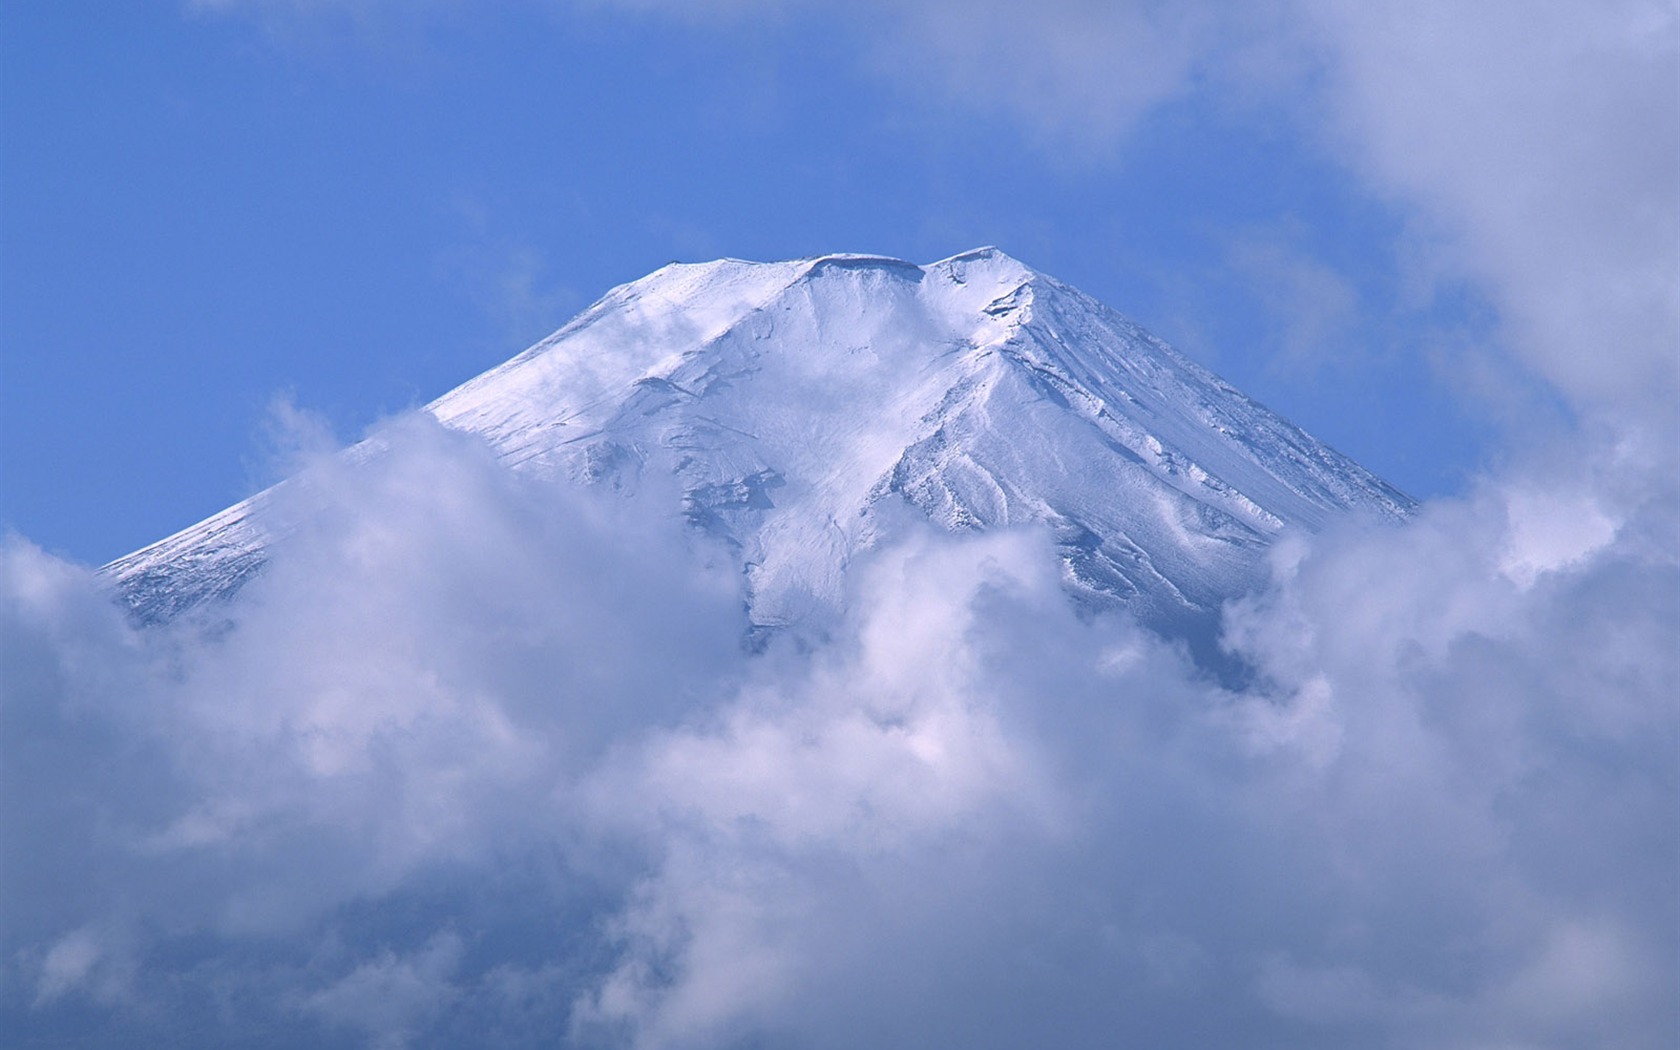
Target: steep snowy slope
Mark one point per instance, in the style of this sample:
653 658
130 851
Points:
794 401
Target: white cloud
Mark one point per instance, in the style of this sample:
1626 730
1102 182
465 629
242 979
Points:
774 823
484 756
67 964
1542 144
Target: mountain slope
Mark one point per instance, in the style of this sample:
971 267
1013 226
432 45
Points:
794 402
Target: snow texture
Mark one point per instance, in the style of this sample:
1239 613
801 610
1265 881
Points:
801 405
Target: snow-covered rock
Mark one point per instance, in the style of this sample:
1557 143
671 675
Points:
793 402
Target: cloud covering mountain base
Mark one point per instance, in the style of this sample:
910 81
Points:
482 760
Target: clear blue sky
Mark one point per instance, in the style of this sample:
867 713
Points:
205 208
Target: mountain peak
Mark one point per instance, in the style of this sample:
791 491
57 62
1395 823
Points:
793 402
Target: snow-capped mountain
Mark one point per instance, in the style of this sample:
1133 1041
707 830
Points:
794 402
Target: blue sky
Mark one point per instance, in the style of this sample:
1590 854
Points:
358 206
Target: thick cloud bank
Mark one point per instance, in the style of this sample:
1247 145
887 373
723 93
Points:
484 761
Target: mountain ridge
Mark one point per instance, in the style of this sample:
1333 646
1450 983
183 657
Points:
794 400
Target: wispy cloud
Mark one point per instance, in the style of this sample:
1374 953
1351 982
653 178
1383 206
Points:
508 278
1543 144
1535 149
1313 307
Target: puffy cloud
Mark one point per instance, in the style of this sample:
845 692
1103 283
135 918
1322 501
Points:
484 755
432 657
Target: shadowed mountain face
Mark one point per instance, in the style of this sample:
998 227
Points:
803 407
